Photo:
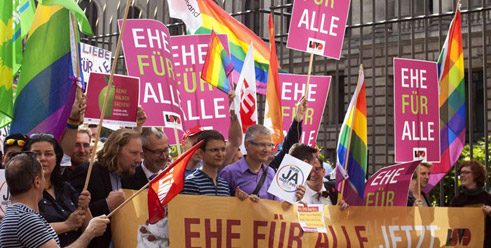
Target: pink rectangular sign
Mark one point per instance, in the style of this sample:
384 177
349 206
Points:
202 104
292 89
318 26
122 103
389 186
147 50
416 111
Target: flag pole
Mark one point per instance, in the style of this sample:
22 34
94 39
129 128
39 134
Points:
350 133
79 91
104 106
178 145
306 92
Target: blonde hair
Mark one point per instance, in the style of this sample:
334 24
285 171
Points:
108 156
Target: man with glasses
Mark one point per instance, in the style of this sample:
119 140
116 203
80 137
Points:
251 177
155 158
315 192
205 181
416 196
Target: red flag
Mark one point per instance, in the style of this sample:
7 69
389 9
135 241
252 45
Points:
167 185
272 115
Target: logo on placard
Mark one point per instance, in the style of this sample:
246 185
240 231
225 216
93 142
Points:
289 177
458 237
5 201
172 120
419 153
316 46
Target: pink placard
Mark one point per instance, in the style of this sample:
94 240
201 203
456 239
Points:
416 111
147 50
292 89
202 104
122 104
389 186
318 27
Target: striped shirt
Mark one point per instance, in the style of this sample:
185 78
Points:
199 183
23 227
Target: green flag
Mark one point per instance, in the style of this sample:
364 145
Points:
6 61
24 10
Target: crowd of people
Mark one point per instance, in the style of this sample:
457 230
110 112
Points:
51 206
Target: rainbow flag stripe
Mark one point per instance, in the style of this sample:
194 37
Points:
217 65
272 115
46 89
452 101
239 37
352 147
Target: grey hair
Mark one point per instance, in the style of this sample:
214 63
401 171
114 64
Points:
255 130
149 131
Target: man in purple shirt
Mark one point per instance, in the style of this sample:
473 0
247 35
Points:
244 176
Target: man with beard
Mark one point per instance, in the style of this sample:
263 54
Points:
118 158
155 158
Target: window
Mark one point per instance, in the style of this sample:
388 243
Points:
335 100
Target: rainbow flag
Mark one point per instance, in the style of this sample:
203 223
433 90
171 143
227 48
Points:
217 65
201 16
46 88
452 101
272 115
351 161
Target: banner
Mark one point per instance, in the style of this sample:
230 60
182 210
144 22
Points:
94 59
205 221
202 104
147 50
4 193
122 103
416 111
318 26
128 221
389 186
292 89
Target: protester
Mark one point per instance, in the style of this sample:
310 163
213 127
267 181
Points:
472 178
119 157
76 173
189 138
234 134
155 158
251 177
205 181
315 192
62 206
293 134
23 226
422 176
13 144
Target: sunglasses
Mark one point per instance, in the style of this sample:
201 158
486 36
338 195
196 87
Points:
17 142
41 135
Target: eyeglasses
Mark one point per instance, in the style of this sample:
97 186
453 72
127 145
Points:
17 142
215 150
41 135
157 152
262 145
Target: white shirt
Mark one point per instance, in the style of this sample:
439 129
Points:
313 197
147 172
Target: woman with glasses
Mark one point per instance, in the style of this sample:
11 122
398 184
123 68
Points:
13 144
65 210
472 177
